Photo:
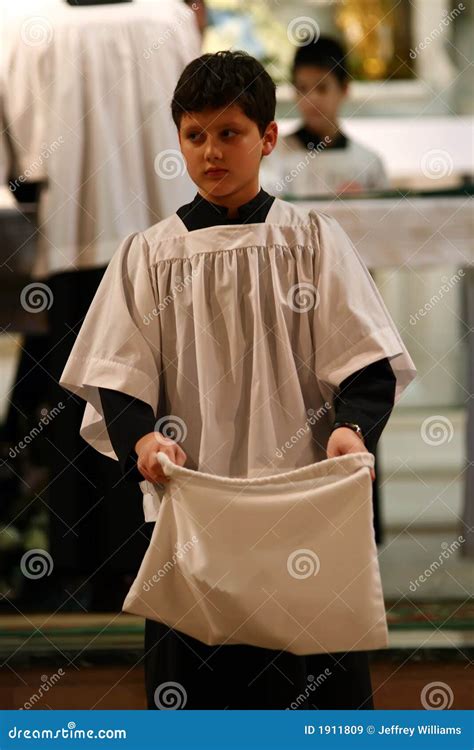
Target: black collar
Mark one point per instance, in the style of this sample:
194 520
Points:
313 140
201 213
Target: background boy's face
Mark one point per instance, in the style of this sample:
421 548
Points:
222 148
319 96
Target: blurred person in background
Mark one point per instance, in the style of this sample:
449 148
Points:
88 134
334 162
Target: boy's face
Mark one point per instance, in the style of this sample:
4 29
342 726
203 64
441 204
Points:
319 96
222 149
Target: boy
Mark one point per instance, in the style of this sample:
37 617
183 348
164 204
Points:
213 336
319 159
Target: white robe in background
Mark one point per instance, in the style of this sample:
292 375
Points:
293 170
239 334
87 103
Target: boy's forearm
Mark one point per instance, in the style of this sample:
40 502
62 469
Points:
127 419
367 397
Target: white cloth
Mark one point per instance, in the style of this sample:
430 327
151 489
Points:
238 334
87 104
291 169
286 562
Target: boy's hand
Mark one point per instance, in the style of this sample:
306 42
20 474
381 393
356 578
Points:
147 463
344 440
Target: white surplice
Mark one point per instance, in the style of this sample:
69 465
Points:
238 334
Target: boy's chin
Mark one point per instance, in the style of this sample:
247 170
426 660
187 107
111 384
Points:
219 190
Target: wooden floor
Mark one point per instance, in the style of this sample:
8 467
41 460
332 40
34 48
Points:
395 685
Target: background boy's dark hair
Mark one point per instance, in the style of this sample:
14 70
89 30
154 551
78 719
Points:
223 78
324 52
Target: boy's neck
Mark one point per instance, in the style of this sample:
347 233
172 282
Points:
235 200
329 130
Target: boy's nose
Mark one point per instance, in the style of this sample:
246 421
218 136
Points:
212 150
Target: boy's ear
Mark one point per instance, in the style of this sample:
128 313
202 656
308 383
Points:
270 138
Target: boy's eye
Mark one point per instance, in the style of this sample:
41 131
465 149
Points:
194 136
228 132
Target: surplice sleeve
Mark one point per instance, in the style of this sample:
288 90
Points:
352 327
118 345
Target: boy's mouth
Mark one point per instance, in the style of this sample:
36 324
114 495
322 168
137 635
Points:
216 172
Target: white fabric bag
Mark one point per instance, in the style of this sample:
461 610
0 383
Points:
284 562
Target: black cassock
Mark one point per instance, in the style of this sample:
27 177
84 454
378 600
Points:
241 676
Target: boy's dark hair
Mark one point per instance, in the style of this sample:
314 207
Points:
323 52
223 78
